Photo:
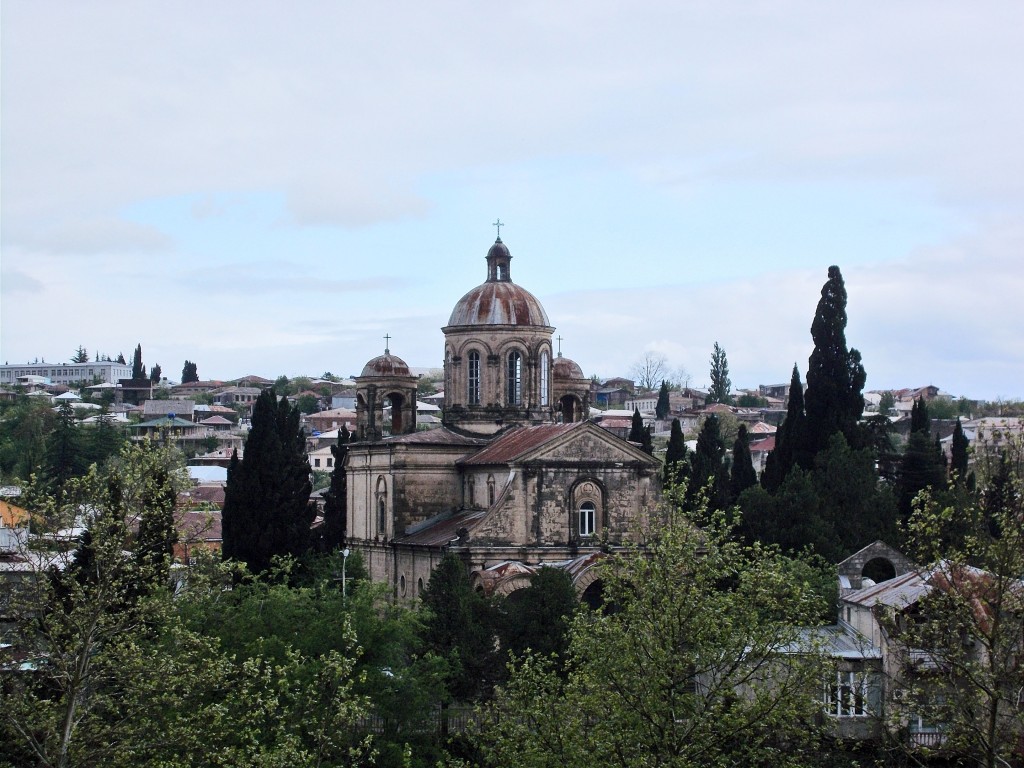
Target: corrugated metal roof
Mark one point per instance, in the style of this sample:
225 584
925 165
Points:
441 530
517 442
440 436
898 592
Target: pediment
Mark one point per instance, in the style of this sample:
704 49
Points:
587 443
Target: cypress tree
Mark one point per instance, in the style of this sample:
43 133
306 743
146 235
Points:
636 429
742 474
707 466
958 456
189 372
138 369
923 462
336 499
675 456
266 501
661 409
835 377
720 383
788 438
647 441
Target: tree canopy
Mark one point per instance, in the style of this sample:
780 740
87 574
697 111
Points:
189 372
138 369
662 408
721 386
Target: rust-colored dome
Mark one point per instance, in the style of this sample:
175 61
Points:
564 368
386 365
499 301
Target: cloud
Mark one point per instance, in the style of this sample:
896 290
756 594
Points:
15 281
88 236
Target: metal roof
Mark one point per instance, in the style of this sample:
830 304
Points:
518 441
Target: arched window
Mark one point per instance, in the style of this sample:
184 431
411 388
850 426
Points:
382 515
514 396
490 490
470 488
473 382
544 377
587 518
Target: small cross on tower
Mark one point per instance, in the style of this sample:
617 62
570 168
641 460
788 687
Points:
559 338
499 225
387 339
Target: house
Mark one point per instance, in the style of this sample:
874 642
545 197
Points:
183 409
237 396
335 418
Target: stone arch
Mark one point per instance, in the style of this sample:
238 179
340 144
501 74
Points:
878 569
400 408
510 586
571 409
885 560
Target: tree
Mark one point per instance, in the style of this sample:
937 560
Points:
682 668
971 618
536 619
788 439
154 374
460 628
742 473
720 383
120 358
307 403
189 372
649 370
333 531
266 500
958 463
636 429
662 408
708 472
675 454
886 403
80 356
835 376
923 461
138 369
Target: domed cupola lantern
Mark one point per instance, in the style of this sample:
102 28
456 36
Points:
497 354
386 386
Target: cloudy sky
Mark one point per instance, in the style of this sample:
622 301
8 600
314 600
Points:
271 187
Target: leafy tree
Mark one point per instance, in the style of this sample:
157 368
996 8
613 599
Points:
460 628
120 358
138 369
923 461
335 525
307 403
266 502
189 372
155 373
636 429
80 356
675 454
649 370
536 619
26 427
708 472
281 385
970 618
788 438
662 408
835 376
682 669
742 472
748 400
886 403
720 383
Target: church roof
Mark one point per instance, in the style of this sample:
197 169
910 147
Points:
439 531
386 365
564 368
499 301
517 442
439 436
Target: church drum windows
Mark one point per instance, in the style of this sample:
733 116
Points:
473 389
514 395
544 377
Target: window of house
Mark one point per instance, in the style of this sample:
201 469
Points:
544 377
848 695
587 518
473 393
316 462
514 396
330 462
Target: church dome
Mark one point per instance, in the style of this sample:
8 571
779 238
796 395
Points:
386 365
564 368
499 301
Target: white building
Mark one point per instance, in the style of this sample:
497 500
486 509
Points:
66 373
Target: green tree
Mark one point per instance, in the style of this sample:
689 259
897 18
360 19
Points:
788 439
886 403
970 618
748 400
835 376
307 403
460 628
959 457
683 668
636 429
64 458
662 408
708 471
120 358
80 356
335 525
189 372
537 618
719 392
266 500
138 369
742 473
675 454
923 464
155 373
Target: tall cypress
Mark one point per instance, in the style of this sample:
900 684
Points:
636 429
707 466
675 455
138 369
661 409
835 376
958 466
266 501
719 391
788 438
923 464
742 474
335 525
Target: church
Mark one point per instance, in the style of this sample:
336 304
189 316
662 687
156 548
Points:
516 477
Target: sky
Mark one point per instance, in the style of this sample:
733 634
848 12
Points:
270 188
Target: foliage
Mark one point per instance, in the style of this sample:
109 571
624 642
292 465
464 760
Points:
460 628
742 473
80 356
835 376
662 408
307 403
536 619
138 369
333 531
748 400
958 461
719 392
636 428
686 666
155 373
923 465
189 372
788 438
675 455
886 403
709 472
266 501
971 620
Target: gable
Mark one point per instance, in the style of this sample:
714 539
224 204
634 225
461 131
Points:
587 444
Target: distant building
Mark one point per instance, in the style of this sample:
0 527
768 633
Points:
66 373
